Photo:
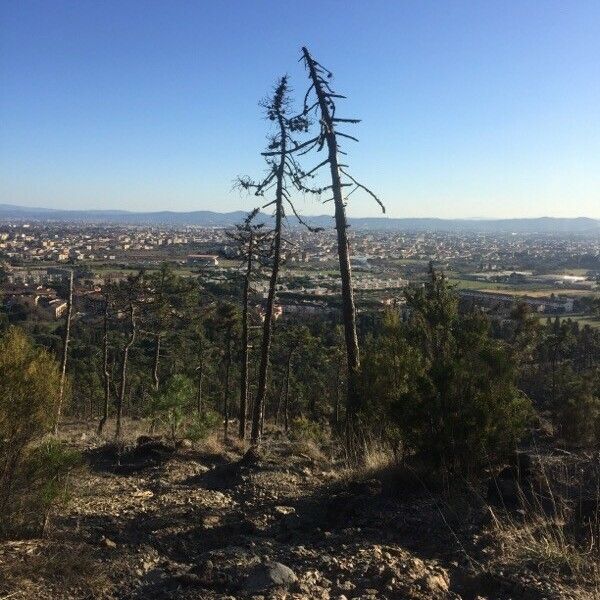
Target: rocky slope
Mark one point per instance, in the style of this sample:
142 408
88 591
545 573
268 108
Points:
282 524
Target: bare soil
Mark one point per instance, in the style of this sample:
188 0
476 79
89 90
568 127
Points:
202 523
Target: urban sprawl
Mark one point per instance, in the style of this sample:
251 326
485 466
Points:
553 274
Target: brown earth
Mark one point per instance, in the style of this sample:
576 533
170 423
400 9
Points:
217 523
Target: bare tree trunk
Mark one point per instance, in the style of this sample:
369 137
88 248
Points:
155 365
155 379
341 224
105 371
200 370
65 353
259 403
122 389
286 403
244 363
279 402
336 406
262 419
226 390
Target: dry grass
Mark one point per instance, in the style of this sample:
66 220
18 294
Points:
43 569
553 540
545 546
236 445
310 449
215 446
378 462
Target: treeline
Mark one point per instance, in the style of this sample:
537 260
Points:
447 390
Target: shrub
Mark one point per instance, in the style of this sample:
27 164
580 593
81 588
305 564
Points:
441 387
30 473
307 430
577 410
201 425
39 483
173 403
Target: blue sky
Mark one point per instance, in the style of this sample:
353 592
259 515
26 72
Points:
470 109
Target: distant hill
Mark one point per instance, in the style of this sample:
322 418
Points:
215 219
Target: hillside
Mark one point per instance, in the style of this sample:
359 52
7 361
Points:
217 219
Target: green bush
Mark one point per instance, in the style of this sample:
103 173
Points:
40 482
32 473
201 425
307 430
441 386
577 409
173 403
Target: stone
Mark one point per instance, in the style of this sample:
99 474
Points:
436 582
284 510
210 521
268 575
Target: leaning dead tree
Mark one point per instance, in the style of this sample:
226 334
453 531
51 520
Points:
283 170
65 353
321 100
249 238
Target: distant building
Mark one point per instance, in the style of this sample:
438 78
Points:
552 304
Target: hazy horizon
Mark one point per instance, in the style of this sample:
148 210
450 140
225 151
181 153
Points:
469 110
263 211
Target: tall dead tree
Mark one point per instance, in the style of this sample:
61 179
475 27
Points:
283 168
324 105
65 353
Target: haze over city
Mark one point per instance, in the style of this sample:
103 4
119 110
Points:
472 110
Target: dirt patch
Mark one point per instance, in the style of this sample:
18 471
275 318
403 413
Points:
161 522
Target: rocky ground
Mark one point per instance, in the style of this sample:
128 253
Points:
224 524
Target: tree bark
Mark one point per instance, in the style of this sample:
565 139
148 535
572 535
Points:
156 362
65 353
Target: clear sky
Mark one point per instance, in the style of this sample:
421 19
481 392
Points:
470 109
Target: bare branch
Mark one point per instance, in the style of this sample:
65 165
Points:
366 189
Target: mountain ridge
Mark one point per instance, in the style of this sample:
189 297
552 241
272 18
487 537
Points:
209 218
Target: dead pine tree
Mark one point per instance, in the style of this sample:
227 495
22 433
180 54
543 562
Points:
282 170
65 353
249 238
323 104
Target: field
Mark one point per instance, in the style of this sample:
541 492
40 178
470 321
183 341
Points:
581 319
